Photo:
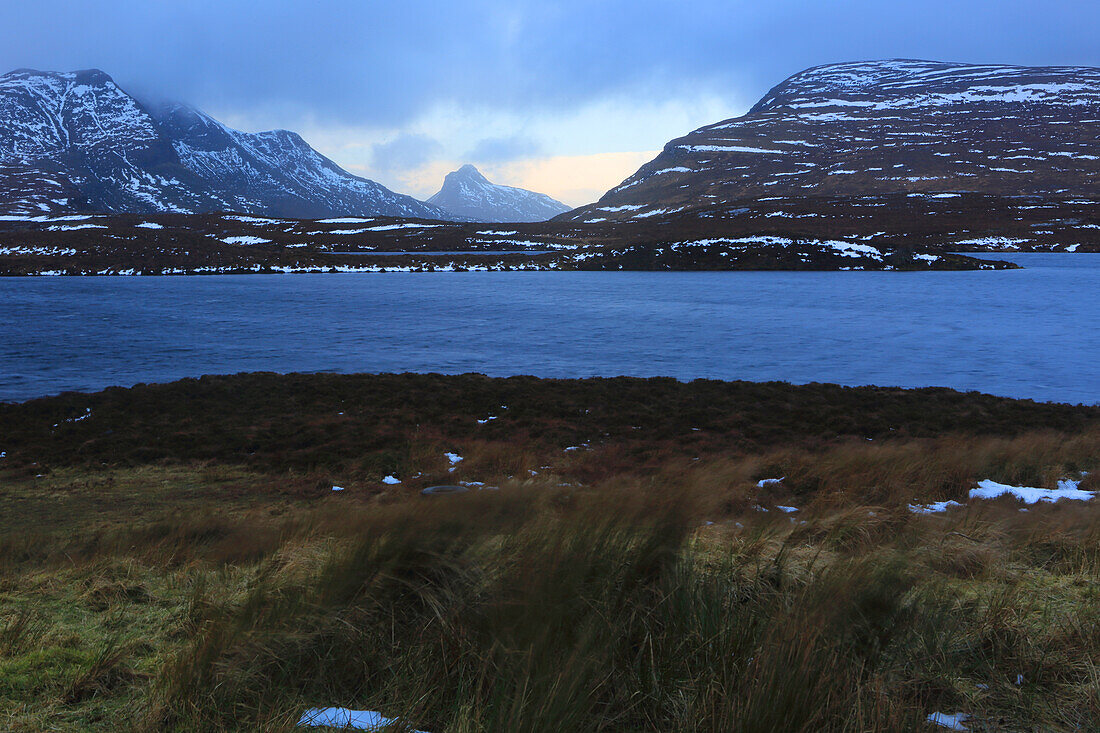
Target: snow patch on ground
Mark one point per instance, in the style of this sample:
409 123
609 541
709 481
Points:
951 722
988 489
848 249
994 241
1067 489
43 251
347 719
74 227
253 219
933 508
246 240
409 225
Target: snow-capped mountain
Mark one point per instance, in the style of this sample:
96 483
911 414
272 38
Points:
469 195
77 142
883 127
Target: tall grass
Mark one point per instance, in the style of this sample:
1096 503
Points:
486 614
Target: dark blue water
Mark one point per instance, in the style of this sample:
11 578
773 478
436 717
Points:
1027 333
440 253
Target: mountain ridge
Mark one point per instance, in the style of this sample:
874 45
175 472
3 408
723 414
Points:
76 142
882 127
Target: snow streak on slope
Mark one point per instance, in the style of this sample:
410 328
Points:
76 141
885 127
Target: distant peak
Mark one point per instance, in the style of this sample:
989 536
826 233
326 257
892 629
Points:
469 171
467 174
468 194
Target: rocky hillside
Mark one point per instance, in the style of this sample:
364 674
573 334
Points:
884 127
77 142
467 194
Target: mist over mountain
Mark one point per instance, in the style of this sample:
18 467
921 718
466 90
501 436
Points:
76 141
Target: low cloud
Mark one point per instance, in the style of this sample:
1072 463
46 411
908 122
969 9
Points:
404 152
387 64
497 149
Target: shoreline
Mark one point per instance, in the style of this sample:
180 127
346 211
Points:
94 391
348 270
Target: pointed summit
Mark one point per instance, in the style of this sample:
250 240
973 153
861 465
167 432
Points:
466 174
466 193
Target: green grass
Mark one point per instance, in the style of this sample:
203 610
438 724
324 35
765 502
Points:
543 610
207 578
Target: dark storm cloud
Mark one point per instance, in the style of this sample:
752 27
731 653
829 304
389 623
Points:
383 63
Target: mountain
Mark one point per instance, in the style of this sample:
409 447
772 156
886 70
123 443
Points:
883 127
469 195
77 142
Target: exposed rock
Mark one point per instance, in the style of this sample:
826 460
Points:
76 142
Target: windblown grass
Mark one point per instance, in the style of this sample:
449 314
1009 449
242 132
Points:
558 609
553 613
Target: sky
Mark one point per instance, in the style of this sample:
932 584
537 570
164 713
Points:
566 97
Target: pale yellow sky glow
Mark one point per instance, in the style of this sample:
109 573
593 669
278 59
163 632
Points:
574 155
572 179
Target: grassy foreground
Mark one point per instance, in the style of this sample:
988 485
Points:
173 557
